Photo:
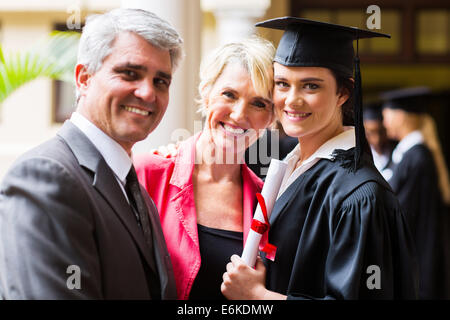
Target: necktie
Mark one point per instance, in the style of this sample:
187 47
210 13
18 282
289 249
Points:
138 205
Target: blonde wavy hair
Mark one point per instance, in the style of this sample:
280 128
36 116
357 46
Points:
254 54
427 126
429 132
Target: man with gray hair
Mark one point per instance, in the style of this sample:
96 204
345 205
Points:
74 221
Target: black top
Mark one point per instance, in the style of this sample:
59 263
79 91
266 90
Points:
341 235
415 182
216 248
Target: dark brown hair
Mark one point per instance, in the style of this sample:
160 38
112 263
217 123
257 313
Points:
345 83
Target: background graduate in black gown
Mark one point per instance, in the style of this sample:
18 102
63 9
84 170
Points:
377 138
337 225
420 180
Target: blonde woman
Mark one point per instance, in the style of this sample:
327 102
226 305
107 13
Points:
205 194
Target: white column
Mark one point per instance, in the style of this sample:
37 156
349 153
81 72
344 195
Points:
178 122
235 19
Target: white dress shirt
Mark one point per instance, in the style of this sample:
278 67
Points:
115 156
344 141
380 159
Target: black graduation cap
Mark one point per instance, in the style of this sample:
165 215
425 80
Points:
373 111
308 43
413 99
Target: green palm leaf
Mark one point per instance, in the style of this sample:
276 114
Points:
55 58
2 58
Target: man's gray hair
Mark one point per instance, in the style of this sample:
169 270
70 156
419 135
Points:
101 30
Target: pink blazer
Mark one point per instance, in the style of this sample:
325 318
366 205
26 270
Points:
169 184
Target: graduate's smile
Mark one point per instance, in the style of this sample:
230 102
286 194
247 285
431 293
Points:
297 115
306 101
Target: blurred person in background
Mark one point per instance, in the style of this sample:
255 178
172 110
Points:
377 138
420 180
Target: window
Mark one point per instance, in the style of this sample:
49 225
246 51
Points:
419 29
433 32
64 100
63 93
390 23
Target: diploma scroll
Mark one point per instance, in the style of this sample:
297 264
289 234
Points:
269 192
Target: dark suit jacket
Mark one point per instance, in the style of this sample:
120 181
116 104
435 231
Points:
61 206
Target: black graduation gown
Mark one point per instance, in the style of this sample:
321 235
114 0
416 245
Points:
331 227
416 184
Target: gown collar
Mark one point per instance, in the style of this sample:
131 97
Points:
405 144
344 141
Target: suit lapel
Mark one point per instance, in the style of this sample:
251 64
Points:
185 207
105 183
162 257
249 188
181 179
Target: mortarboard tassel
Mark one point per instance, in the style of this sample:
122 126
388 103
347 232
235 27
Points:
351 159
360 135
357 102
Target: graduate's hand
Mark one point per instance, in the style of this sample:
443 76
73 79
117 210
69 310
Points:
242 282
169 151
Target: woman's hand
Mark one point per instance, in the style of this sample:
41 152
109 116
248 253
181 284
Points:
242 282
169 151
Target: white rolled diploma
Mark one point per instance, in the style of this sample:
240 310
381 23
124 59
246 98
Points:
269 191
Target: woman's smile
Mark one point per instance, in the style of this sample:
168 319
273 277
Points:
296 115
235 110
231 129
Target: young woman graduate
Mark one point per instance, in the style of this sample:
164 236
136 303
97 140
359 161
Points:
421 183
337 225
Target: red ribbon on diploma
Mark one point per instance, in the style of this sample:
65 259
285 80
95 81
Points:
263 228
